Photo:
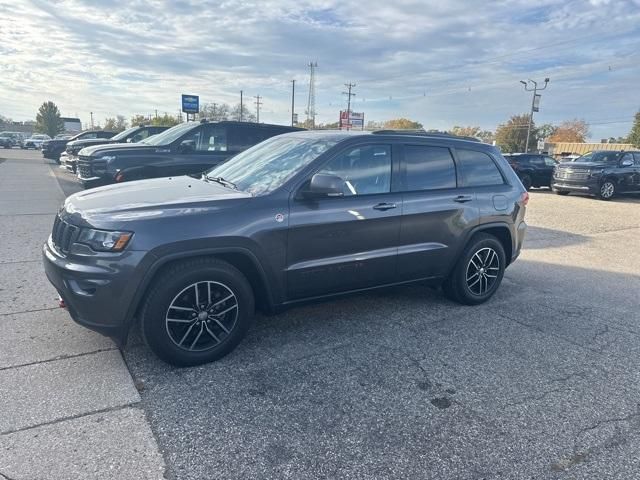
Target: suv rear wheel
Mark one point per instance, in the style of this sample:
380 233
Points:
526 182
197 312
478 272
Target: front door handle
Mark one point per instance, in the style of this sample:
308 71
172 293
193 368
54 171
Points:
463 198
384 206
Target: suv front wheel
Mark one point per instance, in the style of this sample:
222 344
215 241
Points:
607 190
478 272
197 311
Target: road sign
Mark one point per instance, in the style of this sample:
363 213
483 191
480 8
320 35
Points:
351 119
190 103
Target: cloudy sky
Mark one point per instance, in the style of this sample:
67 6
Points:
441 63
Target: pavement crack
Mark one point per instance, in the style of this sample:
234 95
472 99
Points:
71 417
29 311
5 476
58 358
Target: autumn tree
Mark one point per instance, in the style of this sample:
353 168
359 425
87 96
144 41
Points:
117 124
465 131
546 130
402 124
139 120
512 136
575 131
48 120
634 136
165 120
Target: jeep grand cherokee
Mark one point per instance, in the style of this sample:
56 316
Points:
299 216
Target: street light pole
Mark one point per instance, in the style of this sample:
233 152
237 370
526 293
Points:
535 90
293 100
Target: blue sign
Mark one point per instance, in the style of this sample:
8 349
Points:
190 103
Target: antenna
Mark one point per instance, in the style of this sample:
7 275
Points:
311 102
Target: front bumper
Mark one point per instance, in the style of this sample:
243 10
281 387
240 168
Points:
98 290
590 186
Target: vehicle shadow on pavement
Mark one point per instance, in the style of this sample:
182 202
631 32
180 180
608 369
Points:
540 237
399 382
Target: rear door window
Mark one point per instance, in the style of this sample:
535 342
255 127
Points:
428 168
478 168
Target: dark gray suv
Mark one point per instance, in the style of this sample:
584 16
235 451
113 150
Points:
297 217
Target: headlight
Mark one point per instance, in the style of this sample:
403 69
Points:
104 240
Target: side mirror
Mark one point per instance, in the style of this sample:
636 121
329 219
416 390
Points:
187 146
626 163
324 185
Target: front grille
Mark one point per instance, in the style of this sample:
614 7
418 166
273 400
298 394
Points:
63 234
84 167
572 174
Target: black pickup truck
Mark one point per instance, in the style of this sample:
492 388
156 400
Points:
131 135
188 148
53 148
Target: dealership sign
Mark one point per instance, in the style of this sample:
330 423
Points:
190 103
351 119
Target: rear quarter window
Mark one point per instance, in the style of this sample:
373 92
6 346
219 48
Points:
478 169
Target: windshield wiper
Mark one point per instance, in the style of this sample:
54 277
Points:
222 181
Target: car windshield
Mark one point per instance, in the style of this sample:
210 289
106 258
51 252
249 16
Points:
268 165
599 157
125 133
169 136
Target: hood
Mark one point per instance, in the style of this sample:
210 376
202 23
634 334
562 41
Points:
88 142
152 198
118 147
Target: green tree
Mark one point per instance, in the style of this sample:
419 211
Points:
48 119
512 136
465 131
546 130
634 136
402 124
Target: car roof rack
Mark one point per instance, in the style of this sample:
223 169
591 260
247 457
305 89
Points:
423 133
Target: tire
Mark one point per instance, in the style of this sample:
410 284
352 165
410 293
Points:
484 252
561 192
173 339
526 182
607 190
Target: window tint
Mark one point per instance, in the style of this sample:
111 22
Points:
478 169
141 135
626 156
537 161
243 137
429 168
365 170
209 138
550 162
90 135
637 155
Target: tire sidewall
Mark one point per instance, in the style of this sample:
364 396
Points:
153 317
466 296
612 194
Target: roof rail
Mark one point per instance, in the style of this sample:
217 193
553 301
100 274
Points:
423 133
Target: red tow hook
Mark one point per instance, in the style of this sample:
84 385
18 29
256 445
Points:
61 303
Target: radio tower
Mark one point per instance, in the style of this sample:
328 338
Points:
311 103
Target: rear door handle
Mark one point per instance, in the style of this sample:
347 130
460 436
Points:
463 198
384 206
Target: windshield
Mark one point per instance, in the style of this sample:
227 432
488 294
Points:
124 134
169 136
599 157
266 166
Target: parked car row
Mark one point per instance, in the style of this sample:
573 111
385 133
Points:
186 149
20 139
603 174
52 149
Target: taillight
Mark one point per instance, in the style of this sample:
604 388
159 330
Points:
524 198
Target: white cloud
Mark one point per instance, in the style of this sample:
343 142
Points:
442 63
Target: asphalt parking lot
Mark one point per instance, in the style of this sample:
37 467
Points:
540 382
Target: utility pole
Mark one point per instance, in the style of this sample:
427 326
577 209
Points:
535 103
349 95
241 106
156 113
258 103
214 111
293 97
91 120
311 102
